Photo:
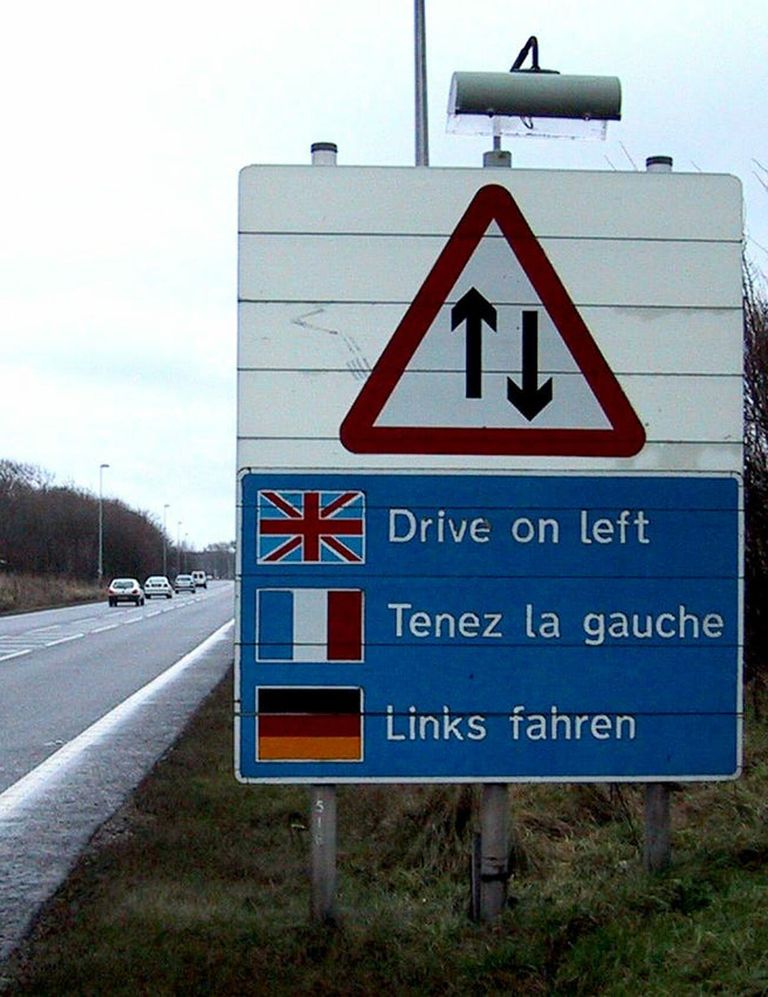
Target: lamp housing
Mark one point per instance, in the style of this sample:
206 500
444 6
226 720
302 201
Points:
533 103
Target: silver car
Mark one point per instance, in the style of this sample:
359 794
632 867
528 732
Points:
158 585
184 583
125 590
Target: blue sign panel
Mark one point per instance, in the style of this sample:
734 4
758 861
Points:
449 627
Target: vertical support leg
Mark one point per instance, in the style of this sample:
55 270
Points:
323 831
494 831
657 847
475 864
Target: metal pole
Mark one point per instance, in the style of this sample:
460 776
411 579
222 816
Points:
166 507
497 156
322 807
324 153
100 570
656 843
494 804
494 819
659 164
420 57
657 838
323 830
178 548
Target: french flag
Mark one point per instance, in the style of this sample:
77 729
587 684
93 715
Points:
309 624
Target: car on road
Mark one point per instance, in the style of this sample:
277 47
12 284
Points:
201 579
125 590
158 585
184 583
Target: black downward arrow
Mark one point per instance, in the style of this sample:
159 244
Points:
473 309
531 398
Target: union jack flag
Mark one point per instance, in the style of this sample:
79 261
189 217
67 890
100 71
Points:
312 527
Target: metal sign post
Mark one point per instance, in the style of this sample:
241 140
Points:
494 837
657 839
323 849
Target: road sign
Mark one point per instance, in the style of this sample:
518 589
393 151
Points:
548 391
501 628
540 578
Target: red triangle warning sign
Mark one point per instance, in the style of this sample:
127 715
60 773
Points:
492 357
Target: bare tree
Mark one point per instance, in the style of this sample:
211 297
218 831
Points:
755 482
48 529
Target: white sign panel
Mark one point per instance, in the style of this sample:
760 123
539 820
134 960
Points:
333 262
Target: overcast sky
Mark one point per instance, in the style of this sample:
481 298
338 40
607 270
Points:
125 125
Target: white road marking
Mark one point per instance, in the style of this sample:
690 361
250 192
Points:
21 792
34 640
63 640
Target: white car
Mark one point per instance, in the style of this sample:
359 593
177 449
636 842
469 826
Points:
125 590
158 585
184 583
201 579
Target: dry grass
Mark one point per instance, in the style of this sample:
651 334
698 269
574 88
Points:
21 593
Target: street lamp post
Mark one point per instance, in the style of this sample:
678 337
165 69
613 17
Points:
100 572
166 507
420 59
178 547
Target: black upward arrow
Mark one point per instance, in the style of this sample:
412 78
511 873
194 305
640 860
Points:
530 399
473 309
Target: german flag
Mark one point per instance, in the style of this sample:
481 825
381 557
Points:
309 725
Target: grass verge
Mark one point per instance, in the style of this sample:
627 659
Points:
200 886
22 593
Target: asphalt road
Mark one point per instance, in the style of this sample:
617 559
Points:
62 669
90 697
